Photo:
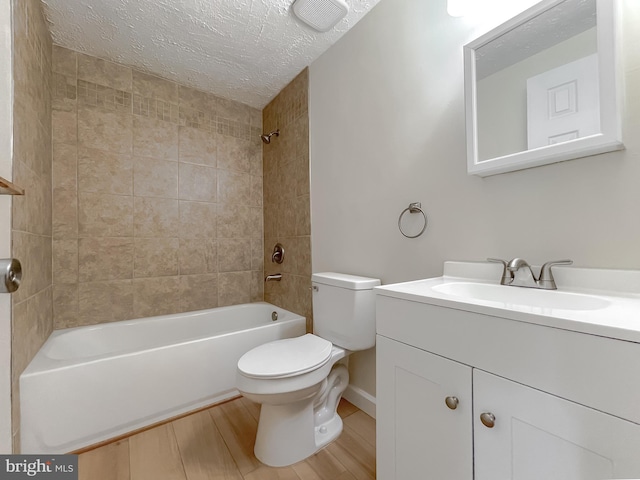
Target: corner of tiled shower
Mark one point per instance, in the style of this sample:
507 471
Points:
144 196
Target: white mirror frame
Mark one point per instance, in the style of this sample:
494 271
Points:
610 136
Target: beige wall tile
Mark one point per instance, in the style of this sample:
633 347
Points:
65 213
64 93
257 286
155 257
154 87
64 61
107 258
256 220
234 154
286 197
65 261
33 126
234 288
104 172
301 169
65 166
234 188
256 164
198 255
256 191
198 292
155 178
103 215
28 210
156 296
65 305
303 216
198 220
235 111
155 138
34 252
105 129
258 254
64 126
40 308
197 183
21 330
234 255
102 72
109 301
235 221
144 228
155 217
198 146
195 98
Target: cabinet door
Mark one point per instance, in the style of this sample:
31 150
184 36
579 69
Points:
538 436
418 435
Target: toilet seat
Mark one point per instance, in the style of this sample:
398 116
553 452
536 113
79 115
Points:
286 358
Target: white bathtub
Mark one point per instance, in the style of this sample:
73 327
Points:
89 384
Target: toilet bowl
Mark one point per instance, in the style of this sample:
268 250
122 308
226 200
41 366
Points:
299 396
299 381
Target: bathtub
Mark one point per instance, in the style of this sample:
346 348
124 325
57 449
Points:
90 384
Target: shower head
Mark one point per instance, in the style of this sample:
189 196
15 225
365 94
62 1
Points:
266 137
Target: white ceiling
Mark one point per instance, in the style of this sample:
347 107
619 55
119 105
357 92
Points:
244 50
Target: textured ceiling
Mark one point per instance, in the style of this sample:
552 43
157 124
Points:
244 50
555 25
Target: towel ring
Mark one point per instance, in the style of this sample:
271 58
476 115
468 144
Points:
415 207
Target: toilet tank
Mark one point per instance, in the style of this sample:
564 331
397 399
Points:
344 309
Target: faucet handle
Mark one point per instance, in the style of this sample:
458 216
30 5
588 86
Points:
546 279
506 279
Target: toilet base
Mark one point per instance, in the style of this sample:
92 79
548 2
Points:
291 432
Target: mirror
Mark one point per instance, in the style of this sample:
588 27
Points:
542 88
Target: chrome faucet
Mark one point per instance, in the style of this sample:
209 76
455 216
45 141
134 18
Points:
545 281
275 277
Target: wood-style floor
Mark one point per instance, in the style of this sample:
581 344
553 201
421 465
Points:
217 444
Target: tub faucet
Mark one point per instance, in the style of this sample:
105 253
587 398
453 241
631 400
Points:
276 277
545 281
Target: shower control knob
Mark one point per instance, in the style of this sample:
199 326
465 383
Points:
452 402
488 419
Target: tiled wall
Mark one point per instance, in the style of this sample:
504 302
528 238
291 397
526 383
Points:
31 214
157 195
286 197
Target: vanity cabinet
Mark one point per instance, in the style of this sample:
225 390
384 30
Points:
556 404
424 414
540 436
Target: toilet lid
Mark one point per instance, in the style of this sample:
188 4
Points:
286 358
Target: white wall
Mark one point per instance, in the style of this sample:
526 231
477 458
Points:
387 128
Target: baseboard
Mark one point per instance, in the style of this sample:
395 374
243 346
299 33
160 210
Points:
361 399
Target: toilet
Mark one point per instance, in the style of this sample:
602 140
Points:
299 381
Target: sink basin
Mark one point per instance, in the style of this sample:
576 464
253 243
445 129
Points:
599 302
519 296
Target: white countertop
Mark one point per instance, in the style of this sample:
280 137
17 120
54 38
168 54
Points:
615 292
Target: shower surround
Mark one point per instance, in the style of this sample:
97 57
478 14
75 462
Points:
157 195
31 316
286 197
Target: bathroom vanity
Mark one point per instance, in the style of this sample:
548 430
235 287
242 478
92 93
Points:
476 380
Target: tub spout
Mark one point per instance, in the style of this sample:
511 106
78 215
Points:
276 277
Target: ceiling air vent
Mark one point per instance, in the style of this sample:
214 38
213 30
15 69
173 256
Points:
321 15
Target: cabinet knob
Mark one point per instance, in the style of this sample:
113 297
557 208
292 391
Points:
488 419
452 402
